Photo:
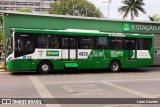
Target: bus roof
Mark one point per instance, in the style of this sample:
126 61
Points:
79 32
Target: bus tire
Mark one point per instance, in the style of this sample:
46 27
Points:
114 66
44 67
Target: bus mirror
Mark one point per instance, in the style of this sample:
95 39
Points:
9 49
6 41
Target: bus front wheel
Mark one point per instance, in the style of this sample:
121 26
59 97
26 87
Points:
114 66
45 67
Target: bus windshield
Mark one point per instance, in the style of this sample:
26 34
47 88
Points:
9 45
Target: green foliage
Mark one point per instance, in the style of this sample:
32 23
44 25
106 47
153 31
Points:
1 36
24 10
133 7
1 19
1 30
75 8
155 18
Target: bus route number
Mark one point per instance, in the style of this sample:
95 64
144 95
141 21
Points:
83 53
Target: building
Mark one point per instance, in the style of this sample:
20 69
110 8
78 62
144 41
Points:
34 5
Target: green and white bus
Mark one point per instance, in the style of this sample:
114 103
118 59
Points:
48 50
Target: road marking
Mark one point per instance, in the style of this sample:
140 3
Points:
135 80
88 90
42 90
68 89
143 95
79 90
72 82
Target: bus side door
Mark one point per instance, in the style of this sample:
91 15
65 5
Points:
69 48
130 49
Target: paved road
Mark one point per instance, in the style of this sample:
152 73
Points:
130 83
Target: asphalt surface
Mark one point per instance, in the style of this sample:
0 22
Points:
127 84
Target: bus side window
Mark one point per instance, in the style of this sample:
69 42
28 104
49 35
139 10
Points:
101 43
40 45
41 40
144 44
126 44
116 43
51 44
54 42
129 44
86 42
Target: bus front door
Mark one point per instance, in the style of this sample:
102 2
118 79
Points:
130 49
69 49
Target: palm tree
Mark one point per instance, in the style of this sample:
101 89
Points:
132 6
155 18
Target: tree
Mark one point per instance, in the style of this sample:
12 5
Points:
1 19
155 18
1 36
75 8
1 29
24 10
133 7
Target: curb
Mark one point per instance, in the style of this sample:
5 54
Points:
155 66
2 70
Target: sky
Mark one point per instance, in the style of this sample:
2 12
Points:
152 7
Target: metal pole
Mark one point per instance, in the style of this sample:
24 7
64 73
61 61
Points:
86 11
108 8
109 1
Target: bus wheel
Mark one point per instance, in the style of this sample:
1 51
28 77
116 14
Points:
44 67
114 66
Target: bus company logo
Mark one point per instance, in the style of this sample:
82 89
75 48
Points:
116 53
126 27
52 53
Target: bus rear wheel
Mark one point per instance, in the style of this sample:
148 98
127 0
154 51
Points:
45 67
114 66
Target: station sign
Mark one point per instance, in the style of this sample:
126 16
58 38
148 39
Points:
141 27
